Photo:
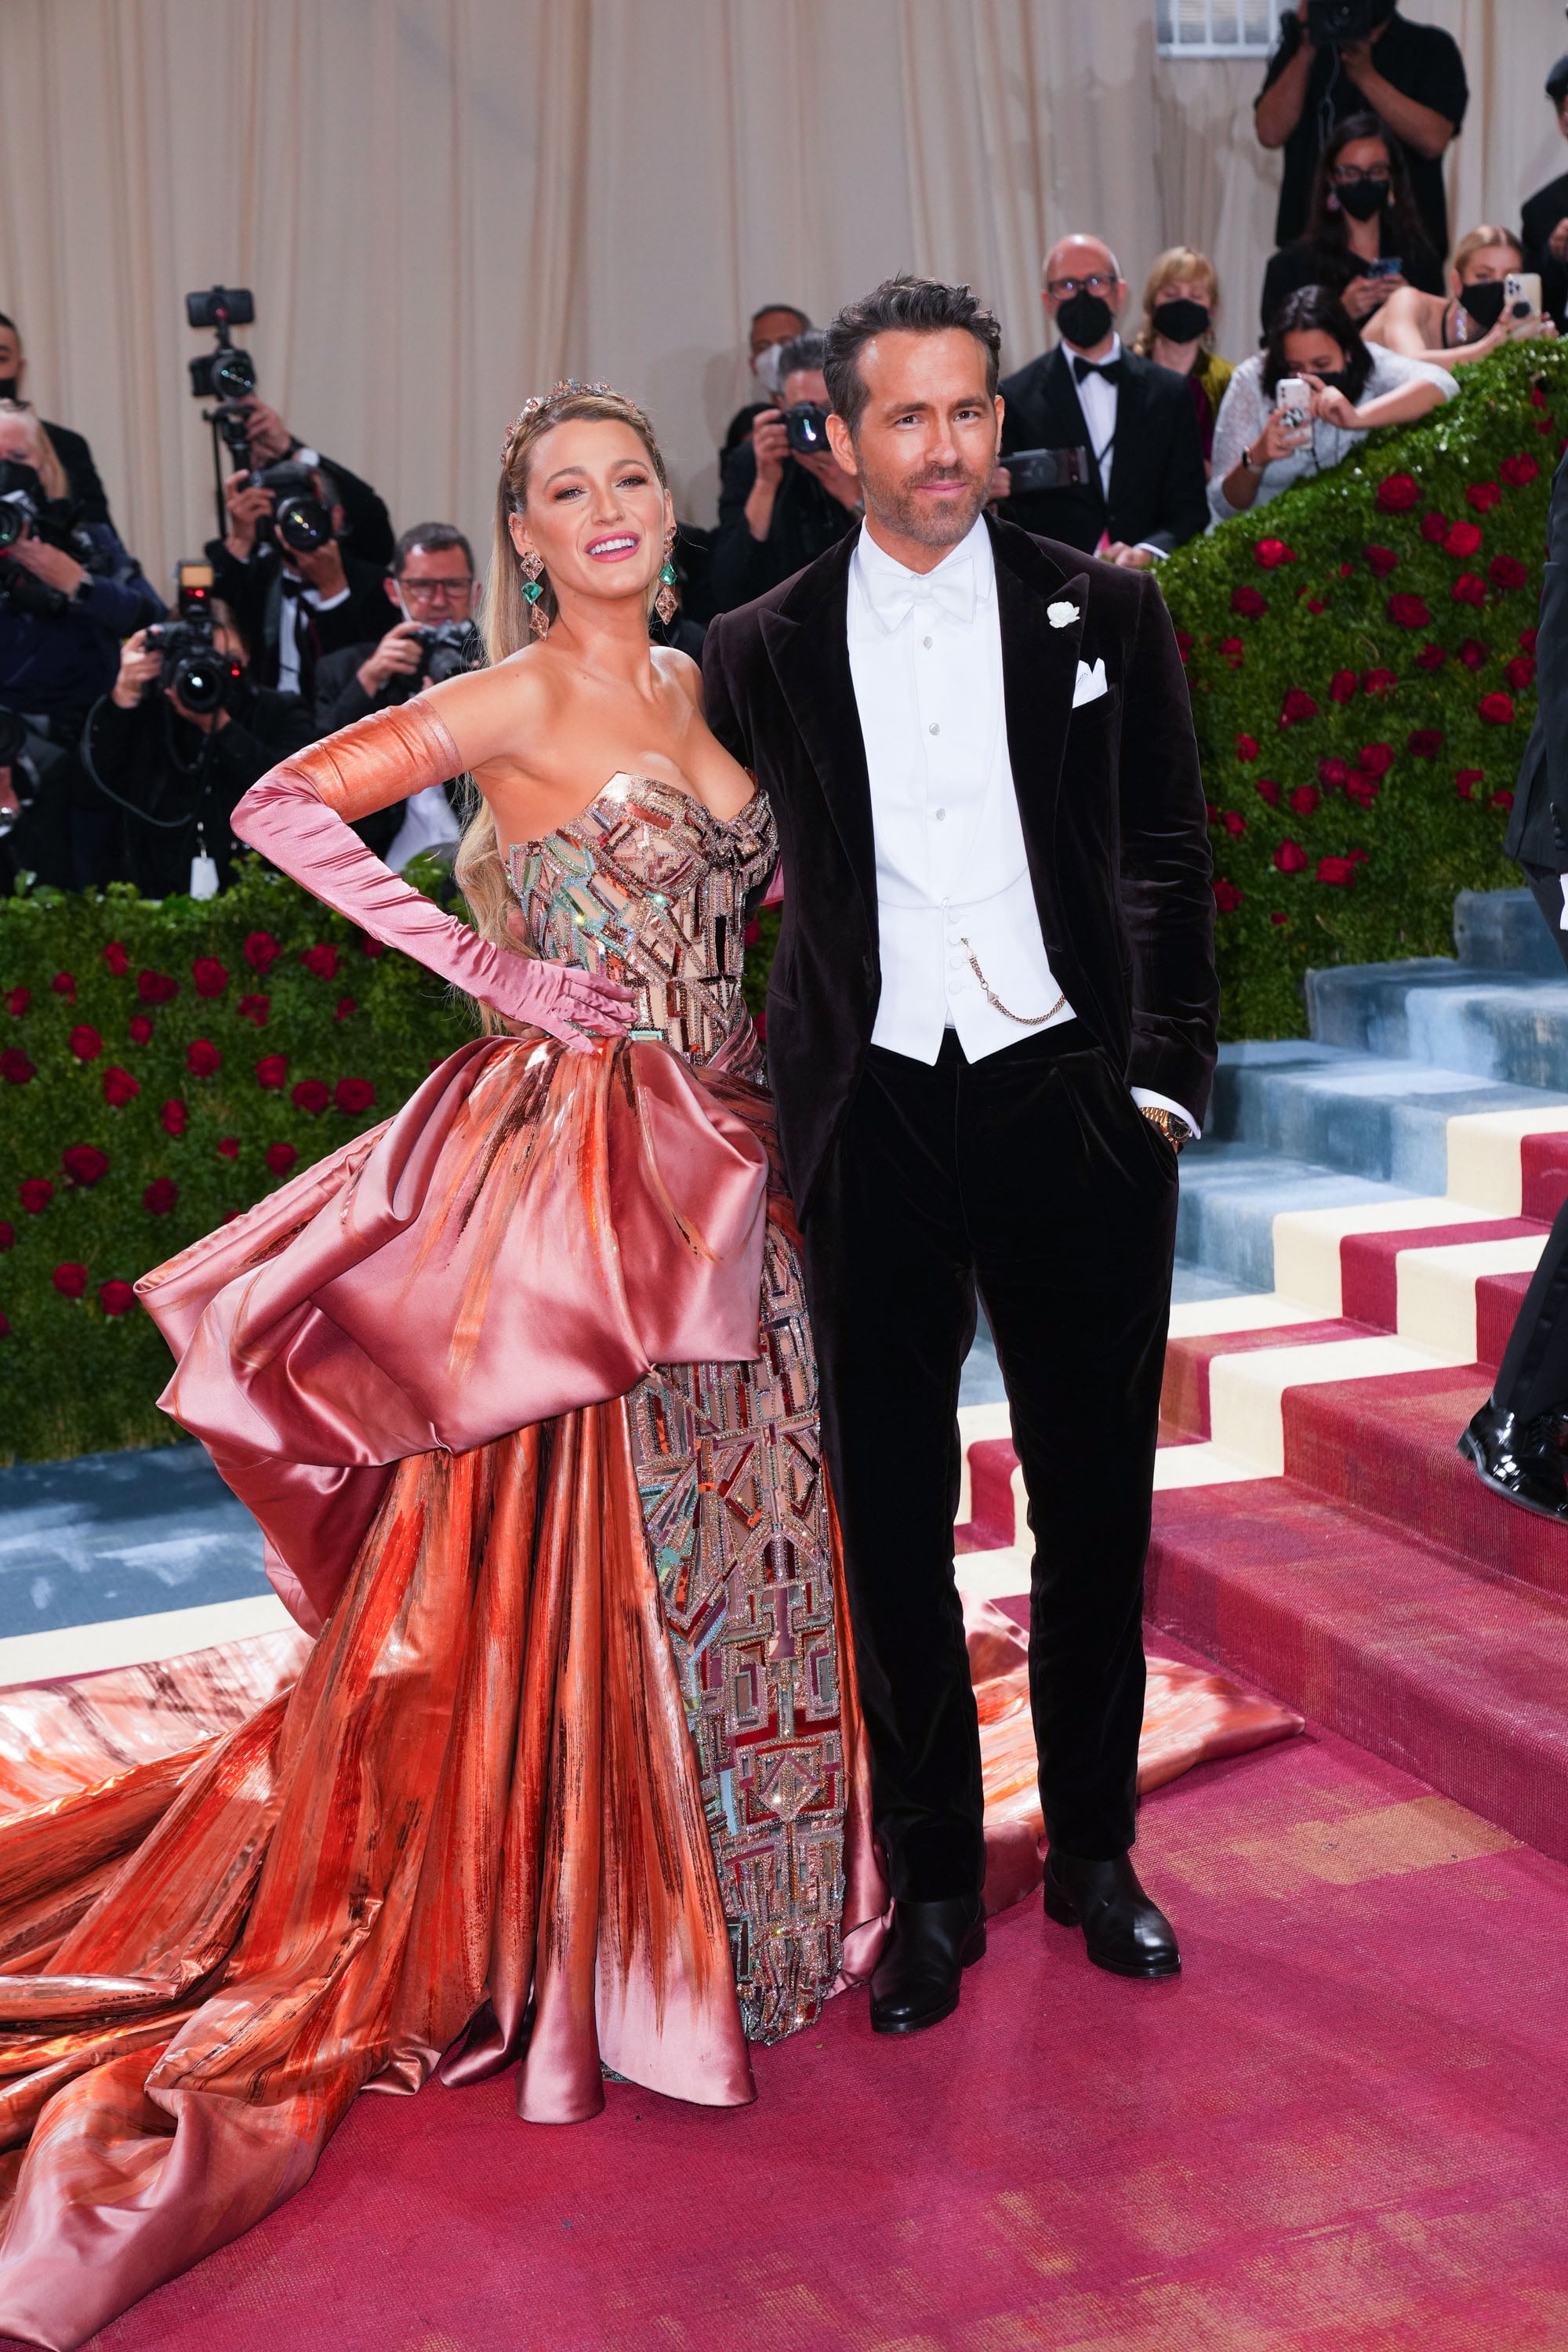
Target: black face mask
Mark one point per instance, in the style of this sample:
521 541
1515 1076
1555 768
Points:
1484 302
1181 321
1365 199
1338 382
1085 320
8 387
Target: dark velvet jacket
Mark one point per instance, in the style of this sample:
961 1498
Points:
1110 795
1538 829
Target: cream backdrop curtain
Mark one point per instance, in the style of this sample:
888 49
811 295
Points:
444 205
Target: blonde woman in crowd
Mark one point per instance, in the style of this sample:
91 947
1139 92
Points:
1469 322
1181 301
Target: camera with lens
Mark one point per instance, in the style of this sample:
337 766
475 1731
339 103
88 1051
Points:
447 649
1047 469
807 426
1331 22
22 501
190 663
226 374
299 518
26 506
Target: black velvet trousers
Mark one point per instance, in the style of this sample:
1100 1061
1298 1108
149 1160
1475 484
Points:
1534 1375
1031 1175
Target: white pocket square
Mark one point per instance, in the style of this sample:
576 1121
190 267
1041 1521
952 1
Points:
1090 684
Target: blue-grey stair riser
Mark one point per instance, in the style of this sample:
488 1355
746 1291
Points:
1504 931
1231 1194
1509 1026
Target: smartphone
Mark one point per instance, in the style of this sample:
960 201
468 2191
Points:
1047 469
1521 294
1293 401
1388 266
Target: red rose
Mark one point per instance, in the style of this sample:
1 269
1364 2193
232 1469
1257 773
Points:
354 1094
1482 496
116 1297
1226 896
261 950
63 985
156 987
1407 611
1268 790
70 1279
1469 588
255 1008
1434 528
228 1146
85 1042
15 1068
1397 493
1250 602
119 1087
1339 871
272 1069
281 1158
367 946
1234 651
117 958
1381 561
17 1002
1291 857
1517 471
1184 648
1379 682
310 1094
209 976
1473 655
1304 800
1466 779
1298 705
1501 801
1430 657
84 1163
1233 823
1247 747
1506 571
1211 813
1527 641
1519 672
35 1193
1425 742
1278 915
1272 552
1346 570
7 1236
1362 788
1497 709
202 1058
1462 539
1342 686
345 1006
1333 773
1314 604
139 1028
160 1196
1376 758
322 961
172 1116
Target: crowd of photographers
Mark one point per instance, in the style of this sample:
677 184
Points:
129 731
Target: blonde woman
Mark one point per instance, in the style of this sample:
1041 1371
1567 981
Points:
520 1388
1467 323
1181 303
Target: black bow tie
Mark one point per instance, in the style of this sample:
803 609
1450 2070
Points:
1109 369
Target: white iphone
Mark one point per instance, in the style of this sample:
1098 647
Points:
1293 401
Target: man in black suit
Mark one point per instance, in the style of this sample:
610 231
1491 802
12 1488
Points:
1517 1438
991 1025
1545 219
1141 460
294 606
779 508
87 491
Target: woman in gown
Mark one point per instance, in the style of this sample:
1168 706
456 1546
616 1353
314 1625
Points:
521 1390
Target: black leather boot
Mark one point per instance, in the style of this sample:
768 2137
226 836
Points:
916 1982
1520 1460
1124 1931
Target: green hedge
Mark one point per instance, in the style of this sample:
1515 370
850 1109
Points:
1361 654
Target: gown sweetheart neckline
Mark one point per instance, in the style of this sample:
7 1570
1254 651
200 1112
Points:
631 776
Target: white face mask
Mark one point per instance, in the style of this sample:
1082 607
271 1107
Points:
765 367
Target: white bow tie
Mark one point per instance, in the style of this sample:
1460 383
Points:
952 592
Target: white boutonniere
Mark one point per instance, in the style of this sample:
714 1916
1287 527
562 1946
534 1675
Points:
1062 615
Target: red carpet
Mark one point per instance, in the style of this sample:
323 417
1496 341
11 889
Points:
1345 2126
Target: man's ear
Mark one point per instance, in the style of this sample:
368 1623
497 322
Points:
390 585
841 441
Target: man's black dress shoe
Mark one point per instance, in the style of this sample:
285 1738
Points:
1520 1460
915 1981
1123 1930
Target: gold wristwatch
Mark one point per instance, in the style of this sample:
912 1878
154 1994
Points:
1175 1131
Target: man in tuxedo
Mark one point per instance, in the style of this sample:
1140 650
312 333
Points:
294 606
1544 225
1145 491
778 507
991 1026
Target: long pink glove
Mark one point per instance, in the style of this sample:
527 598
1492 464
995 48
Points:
299 815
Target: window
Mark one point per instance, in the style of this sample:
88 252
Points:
1215 29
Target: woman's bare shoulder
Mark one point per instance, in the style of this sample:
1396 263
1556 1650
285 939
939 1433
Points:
486 710
679 669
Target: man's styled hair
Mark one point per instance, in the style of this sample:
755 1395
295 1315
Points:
803 354
434 538
766 309
905 305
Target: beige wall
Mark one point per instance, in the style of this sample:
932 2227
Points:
443 204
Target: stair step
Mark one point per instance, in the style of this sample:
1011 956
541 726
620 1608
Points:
1503 930
1231 1193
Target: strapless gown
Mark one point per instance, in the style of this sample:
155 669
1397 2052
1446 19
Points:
574 1773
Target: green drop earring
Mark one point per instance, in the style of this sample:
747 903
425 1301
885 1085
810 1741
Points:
533 571
667 603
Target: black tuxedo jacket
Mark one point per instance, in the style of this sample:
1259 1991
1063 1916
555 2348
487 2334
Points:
86 490
1542 211
1158 488
1538 828
1110 795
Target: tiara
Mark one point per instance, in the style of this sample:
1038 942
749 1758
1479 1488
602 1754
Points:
538 400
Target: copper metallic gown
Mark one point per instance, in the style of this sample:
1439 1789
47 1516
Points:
574 1774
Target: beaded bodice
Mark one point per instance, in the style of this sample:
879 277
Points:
650 888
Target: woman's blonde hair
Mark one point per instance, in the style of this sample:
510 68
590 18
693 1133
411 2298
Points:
1477 241
1177 262
478 868
50 471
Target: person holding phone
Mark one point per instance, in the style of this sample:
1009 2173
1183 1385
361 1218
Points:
1494 300
1363 236
783 501
1304 402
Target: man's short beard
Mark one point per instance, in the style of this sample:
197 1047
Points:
897 506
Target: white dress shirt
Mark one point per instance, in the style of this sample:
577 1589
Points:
427 823
952 876
289 620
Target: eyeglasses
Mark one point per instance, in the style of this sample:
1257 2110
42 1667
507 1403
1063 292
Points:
1099 282
1346 177
431 591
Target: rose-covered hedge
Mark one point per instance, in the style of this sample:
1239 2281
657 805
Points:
1362 659
161 1065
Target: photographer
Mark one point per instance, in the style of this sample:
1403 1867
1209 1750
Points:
1546 220
432 588
85 490
366 528
783 501
1367 58
282 568
170 770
